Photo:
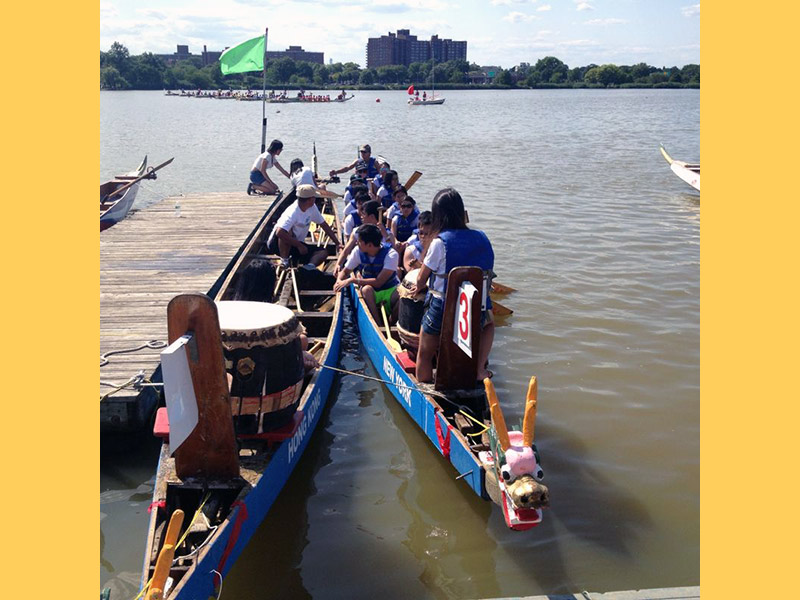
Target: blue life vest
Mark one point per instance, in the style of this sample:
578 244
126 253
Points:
356 219
386 201
417 243
406 227
466 248
371 267
372 170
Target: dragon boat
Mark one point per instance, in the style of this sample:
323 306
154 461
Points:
242 403
462 419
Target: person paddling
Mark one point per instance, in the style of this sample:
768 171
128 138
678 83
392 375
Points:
365 154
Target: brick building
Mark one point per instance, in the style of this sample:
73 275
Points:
402 48
297 53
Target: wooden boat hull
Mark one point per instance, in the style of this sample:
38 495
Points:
114 212
233 535
687 172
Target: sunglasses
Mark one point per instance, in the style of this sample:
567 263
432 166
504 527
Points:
406 206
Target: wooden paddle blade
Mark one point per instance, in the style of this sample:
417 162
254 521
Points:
394 344
499 288
328 194
413 179
499 310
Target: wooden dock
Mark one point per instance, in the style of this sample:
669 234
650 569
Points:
146 260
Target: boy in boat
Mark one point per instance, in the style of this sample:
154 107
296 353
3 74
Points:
376 265
412 257
399 196
404 223
452 244
351 191
365 155
290 231
259 180
370 215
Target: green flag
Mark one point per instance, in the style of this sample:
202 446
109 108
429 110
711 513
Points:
247 56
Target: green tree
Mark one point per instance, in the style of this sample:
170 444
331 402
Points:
321 74
367 77
691 74
503 77
546 67
111 79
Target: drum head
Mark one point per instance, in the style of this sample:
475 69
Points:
248 324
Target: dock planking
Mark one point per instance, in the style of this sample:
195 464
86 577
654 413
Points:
146 260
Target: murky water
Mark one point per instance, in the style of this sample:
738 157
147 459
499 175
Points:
602 242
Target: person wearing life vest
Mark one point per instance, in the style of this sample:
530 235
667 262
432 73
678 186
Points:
354 219
351 191
415 245
365 154
370 215
374 268
453 244
403 215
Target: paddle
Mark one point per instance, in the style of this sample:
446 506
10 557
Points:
147 175
413 179
499 288
499 310
393 343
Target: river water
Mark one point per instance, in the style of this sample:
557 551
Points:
602 242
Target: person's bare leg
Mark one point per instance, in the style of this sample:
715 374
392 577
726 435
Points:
427 348
368 293
318 257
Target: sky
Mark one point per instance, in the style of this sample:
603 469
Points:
501 33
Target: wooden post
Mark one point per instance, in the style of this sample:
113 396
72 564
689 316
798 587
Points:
210 450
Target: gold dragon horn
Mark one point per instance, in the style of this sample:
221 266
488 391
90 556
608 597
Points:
497 415
530 413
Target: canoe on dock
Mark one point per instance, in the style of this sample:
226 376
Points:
252 426
454 412
115 206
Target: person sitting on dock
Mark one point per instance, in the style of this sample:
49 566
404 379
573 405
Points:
376 266
453 244
365 152
290 231
415 245
259 180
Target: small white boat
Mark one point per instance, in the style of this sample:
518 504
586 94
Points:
414 102
688 172
115 208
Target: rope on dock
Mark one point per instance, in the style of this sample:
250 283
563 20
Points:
152 344
137 382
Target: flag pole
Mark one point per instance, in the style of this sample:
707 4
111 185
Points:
264 99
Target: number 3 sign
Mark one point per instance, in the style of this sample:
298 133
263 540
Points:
462 330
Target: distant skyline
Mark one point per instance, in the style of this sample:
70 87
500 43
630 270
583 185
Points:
498 32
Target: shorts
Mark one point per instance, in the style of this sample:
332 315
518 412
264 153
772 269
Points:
257 177
293 251
385 297
434 313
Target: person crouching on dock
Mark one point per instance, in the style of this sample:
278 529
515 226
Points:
259 180
376 266
452 244
290 231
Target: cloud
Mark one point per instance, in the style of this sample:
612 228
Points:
544 7
584 6
518 17
691 11
605 22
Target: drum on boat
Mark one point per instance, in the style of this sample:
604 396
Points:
411 309
263 354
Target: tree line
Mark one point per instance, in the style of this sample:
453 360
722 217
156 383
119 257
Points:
121 71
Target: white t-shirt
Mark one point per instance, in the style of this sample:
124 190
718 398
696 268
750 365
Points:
267 159
393 211
302 177
296 222
414 252
382 193
354 260
436 261
349 225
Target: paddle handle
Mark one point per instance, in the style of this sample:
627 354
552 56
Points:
147 175
413 179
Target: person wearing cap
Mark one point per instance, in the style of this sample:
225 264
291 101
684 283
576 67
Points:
365 155
259 180
290 231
